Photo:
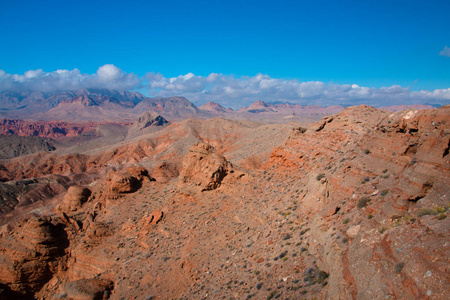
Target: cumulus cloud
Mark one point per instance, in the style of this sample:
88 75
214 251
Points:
228 90
445 52
237 92
107 76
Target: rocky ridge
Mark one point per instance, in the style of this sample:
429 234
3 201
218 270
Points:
354 206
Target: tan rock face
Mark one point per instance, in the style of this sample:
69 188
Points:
204 169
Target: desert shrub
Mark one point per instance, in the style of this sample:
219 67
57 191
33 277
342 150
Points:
304 231
425 211
362 202
442 216
384 192
440 210
398 267
271 295
369 216
413 161
320 176
382 230
384 171
299 129
366 151
345 221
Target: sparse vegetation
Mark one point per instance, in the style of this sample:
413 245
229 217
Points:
369 216
345 221
412 162
304 231
441 211
315 276
425 211
366 151
398 267
382 230
320 176
362 202
272 295
384 192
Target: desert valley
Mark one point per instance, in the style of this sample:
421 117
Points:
108 194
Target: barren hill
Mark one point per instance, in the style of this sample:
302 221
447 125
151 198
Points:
353 206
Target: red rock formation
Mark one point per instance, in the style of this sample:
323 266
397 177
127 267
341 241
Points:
75 197
30 253
355 206
203 168
369 173
46 129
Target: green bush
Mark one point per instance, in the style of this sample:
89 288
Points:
398 267
320 176
425 211
362 202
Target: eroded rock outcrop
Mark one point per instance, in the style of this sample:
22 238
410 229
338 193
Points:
165 171
204 169
127 181
29 255
75 197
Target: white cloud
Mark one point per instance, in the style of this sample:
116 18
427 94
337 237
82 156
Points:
107 76
237 92
228 90
108 73
445 52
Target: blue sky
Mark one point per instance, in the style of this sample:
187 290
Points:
371 44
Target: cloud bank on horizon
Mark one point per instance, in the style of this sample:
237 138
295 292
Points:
227 90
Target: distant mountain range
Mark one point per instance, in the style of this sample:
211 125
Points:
102 105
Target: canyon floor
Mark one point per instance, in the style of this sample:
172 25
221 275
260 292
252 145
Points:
353 206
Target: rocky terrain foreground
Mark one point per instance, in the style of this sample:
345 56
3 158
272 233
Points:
351 207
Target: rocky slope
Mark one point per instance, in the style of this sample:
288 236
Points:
354 206
50 130
13 146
